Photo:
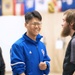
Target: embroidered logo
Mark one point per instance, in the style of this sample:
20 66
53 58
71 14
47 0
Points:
30 52
43 52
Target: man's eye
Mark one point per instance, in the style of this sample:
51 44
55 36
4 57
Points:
36 23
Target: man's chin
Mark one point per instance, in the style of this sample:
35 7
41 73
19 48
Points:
35 34
63 35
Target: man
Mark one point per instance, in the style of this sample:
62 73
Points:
28 54
2 63
69 29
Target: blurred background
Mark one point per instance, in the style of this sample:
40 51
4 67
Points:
12 27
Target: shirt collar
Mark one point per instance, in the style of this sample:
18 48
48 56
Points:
73 34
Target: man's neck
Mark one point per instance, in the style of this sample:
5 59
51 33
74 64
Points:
72 32
32 37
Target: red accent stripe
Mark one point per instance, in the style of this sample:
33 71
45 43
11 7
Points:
55 2
14 6
22 9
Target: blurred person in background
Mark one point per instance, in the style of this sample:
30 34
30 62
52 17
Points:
2 63
28 54
68 26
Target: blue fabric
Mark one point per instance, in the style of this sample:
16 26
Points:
67 5
30 53
29 6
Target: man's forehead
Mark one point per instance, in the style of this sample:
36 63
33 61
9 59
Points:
64 17
34 20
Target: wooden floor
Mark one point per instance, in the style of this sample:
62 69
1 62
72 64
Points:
9 73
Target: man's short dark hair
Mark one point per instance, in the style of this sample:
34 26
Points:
33 14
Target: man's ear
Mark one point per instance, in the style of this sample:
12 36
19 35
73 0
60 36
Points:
25 24
72 24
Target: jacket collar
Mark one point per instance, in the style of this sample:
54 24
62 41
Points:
38 38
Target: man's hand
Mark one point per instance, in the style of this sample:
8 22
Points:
42 66
74 73
22 74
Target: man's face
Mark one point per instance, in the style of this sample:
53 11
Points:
33 27
66 28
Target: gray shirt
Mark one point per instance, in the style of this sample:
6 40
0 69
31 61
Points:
72 59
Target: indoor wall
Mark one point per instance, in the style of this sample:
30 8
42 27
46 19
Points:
51 30
12 28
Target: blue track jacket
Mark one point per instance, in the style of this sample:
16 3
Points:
26 54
